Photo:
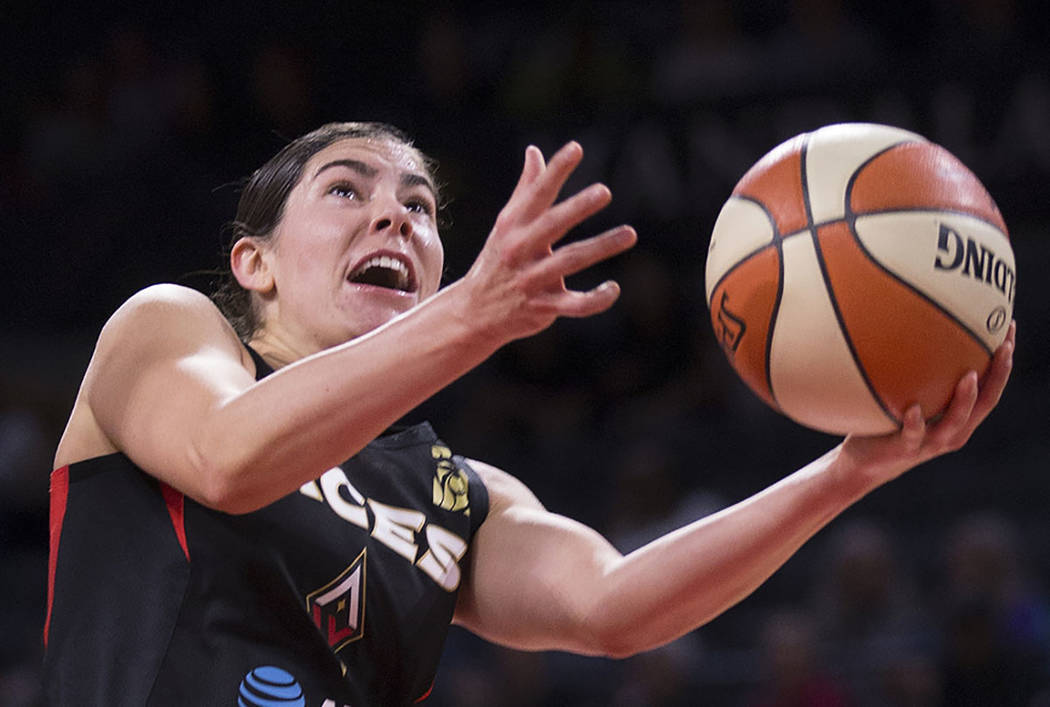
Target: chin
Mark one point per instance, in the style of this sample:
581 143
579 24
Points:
361 314
364 325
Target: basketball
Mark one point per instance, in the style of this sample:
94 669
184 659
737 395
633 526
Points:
857 270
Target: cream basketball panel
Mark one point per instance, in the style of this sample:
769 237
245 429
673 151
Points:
964 264
834 153
814 378
741 228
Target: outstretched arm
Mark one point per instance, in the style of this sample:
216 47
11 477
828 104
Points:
540 581
168 383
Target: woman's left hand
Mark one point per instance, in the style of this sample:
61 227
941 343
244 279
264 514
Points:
885 457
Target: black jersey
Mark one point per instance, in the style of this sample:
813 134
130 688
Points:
340 594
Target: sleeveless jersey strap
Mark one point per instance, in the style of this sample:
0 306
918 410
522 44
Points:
262 368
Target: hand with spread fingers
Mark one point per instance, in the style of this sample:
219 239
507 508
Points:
517 284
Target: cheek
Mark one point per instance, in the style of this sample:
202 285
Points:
308 250
434 259
307 263
295 267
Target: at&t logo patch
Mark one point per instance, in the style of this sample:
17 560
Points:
269 686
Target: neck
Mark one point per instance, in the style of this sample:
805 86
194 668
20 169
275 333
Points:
275 350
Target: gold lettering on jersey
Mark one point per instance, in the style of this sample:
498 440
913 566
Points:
450 482
397 528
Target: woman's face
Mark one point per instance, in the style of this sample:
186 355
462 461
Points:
357 245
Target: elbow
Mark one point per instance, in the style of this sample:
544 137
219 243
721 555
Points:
221 494
625 643
614 634
223 483
600 619
617 645
241 478
601 634
218 491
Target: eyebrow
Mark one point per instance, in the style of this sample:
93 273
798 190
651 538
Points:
408 179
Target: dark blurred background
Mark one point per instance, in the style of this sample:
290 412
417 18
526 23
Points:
126 133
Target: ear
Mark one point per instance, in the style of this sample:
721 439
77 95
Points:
250 265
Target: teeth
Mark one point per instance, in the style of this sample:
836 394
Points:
388 263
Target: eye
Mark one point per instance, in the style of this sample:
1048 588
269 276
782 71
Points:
344 190
420 206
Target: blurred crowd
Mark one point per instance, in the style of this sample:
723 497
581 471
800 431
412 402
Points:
129 133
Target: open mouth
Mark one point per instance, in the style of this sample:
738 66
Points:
384 271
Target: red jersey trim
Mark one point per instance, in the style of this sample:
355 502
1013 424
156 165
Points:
425 694
57 513
176 502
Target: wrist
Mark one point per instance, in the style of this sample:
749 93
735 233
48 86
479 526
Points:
857 470
468 328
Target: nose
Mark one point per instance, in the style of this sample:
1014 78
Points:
392 216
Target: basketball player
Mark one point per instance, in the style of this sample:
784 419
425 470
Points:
236 515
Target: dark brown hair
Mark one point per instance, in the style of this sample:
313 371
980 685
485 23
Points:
262 201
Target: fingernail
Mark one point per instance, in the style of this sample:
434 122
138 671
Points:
573 146
600 191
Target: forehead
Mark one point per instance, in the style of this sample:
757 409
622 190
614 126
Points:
382 154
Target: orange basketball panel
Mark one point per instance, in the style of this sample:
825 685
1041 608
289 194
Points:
775 181
921 175
910 350
742 307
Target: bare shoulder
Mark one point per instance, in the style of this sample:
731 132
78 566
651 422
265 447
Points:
505 490
162 322
166 311
151 332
